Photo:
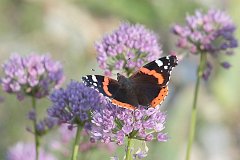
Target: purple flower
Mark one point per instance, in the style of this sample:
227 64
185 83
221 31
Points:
141 152
33 75
32 115
211 32
226 65
74 104
113 124
128 48
46 124
26 151
42 126
162 137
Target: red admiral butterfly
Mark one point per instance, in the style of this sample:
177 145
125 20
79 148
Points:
147 87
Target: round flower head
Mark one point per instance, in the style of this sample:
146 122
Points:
211 33
26 151
33 75
128 48
113 124
74 104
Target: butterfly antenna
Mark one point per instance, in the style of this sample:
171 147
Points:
128 60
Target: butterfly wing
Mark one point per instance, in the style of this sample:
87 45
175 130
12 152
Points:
150 82
125 98
105 85
160 69
111 89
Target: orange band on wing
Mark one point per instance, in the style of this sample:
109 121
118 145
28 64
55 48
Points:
105 86
153 73
124 105
160 98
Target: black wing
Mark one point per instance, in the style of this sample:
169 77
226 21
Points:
148 91
105 85
111 88
160 69
151 80
125 98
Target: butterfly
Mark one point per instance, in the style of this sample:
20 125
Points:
146 87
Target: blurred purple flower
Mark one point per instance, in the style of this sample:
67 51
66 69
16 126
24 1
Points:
226 65
33 75
113 124
128 48
162 137
48 123
61 144
42 126
141 152
26 151
32 115
66 134
211 32
74 104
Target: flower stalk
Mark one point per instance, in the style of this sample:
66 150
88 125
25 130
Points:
129 147
36 136
201 67
76 143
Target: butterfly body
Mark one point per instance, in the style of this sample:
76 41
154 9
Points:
147 87
124 82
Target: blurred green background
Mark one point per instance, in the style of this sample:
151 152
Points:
67 31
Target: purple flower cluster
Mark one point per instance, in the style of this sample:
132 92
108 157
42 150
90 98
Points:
211 32
113 124
44 125
33 75
26 151
74 104
128 48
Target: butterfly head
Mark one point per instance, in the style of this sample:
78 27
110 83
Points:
173 60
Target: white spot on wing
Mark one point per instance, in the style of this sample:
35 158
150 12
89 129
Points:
159 63
94 78
165 67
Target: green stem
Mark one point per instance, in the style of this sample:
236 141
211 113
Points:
76 143
129 146
194 107
37 138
